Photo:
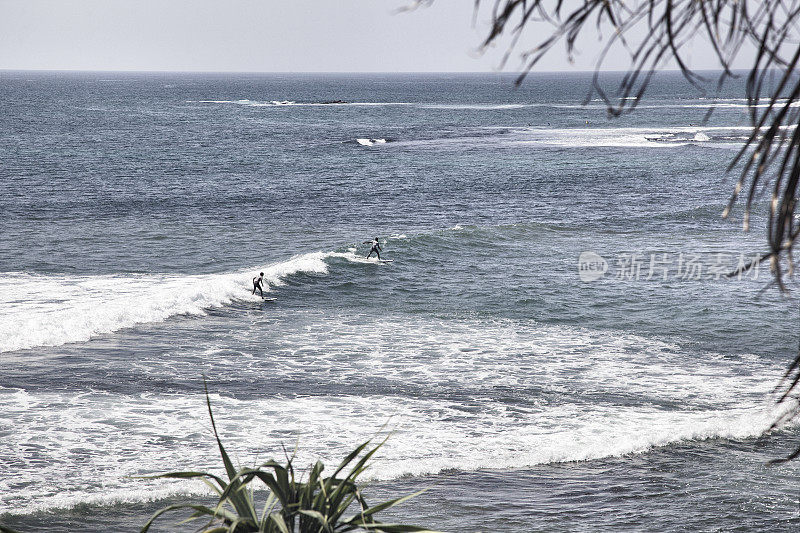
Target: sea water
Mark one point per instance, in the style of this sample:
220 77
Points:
554 346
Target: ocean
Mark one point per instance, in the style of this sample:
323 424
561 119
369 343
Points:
554 347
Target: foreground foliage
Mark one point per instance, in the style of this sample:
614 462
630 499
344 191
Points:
316 505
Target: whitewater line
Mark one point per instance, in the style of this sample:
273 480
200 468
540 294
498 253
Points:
32 314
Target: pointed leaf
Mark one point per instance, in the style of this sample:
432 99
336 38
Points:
277 519
391 503
203 510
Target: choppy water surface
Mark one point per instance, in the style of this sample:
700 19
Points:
136 209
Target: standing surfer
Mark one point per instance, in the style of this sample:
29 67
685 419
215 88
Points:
257 284
376 247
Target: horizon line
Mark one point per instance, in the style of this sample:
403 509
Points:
333 72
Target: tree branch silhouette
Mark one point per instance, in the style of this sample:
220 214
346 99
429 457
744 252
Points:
655 34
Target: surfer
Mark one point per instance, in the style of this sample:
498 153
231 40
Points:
376 247
257 284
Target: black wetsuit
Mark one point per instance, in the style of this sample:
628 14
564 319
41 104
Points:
376 247
257 285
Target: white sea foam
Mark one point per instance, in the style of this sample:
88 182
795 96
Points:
123 436
370 142
596 104
477 107
697 103
595 137
285 103
55 310
114 435
722 104
639 137
351 256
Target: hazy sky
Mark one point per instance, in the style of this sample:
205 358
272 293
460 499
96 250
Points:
256 35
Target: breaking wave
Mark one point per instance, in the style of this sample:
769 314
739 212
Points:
590 394
34 313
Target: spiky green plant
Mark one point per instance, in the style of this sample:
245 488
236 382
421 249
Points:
316 505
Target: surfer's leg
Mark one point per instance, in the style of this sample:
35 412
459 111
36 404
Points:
378 254
260 290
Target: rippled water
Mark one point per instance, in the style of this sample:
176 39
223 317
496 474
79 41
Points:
136 209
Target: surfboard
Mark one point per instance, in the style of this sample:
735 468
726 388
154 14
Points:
266 299
385 260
